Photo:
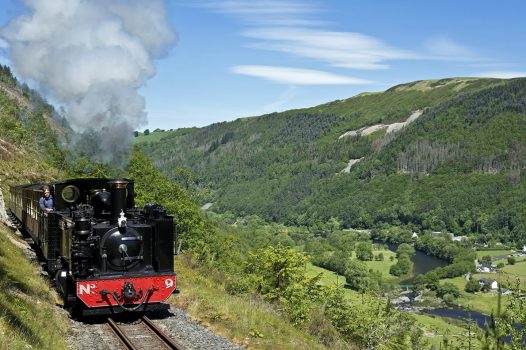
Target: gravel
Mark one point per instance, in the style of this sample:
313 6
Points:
94 335
187 332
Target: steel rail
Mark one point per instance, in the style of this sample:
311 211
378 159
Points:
167 340
123 337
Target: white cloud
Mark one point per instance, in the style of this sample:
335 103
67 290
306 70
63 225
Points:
293 27
339 49
296 76
501 74
267 12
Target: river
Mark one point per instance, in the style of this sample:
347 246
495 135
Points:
422 263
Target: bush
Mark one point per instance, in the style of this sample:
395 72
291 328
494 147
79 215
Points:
447 289
472 286
486 258
237 285
511 260
364 251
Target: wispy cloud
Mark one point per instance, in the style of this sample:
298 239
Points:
296 76
266 12
446 49
294 27
501 74
338 49
284 98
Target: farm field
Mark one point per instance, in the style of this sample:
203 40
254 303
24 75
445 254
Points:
493 253
382 266
482 302
516 271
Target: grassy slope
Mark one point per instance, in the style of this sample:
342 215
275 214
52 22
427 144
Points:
28 318
246 320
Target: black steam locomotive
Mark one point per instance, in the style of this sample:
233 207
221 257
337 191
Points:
107 256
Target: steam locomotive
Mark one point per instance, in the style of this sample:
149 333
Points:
106 255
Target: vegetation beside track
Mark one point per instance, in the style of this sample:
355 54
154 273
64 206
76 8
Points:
28 318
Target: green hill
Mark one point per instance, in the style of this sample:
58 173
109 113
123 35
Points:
458 167
29 136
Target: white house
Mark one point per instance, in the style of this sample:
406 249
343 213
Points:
492 283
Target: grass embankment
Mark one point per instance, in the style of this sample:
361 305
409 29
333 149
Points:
28 319
247 321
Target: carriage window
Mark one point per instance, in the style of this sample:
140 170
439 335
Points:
70 194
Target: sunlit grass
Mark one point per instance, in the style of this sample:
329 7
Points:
516 271
28 318
492 253
246 320
384 265
436 329
485 302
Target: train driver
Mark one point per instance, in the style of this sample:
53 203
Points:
46 201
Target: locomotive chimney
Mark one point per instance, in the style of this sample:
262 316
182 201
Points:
118 198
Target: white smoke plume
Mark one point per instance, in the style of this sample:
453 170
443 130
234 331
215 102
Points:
92 56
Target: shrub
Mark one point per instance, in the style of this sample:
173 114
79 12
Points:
472 286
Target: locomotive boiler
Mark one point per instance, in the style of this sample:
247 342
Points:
106 255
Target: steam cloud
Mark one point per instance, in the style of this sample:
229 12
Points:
92 56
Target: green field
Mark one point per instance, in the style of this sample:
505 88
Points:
516 271
382 266
436 329
493 253
152 137
482 302
487 302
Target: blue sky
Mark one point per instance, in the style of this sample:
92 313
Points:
236 58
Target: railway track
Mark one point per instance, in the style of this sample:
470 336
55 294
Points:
143 334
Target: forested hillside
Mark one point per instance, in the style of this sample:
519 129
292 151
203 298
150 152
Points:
458 167
30 134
